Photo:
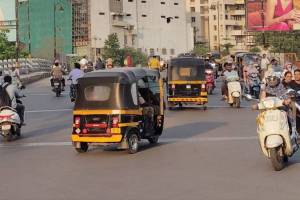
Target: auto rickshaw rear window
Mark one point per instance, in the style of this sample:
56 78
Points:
97 93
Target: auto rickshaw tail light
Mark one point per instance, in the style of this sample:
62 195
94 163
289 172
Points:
203 88
115 122
77 122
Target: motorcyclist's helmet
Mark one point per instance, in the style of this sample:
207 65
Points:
273 80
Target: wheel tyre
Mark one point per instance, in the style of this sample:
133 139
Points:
18 132
57 93
237 102
277 160
153 140
8 137
209 90
285 159
83 147
133 143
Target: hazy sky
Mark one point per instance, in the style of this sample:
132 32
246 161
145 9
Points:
7 10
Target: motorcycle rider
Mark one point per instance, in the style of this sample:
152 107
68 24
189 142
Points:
57 73
248 70
229 73
14 94
74 75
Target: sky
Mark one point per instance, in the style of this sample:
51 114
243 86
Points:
7 11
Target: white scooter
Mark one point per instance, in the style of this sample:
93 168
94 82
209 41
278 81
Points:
277 141
10 123
234 92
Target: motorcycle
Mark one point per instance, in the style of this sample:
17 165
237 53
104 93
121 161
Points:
10 123
254 85
210 81
73 91
234 92
57 87
277 134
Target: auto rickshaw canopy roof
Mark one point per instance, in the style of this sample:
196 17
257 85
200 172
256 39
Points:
195 68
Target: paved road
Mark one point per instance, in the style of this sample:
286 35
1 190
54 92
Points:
209 155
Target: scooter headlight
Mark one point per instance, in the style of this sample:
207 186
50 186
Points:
269 103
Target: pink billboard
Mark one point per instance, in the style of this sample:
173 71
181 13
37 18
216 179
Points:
273 15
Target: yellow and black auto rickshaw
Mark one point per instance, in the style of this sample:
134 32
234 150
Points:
186 82
118 106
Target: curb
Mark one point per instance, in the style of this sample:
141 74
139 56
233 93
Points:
32 79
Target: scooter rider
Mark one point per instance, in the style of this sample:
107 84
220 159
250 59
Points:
229 73
14 94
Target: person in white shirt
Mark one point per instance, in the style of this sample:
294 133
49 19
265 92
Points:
264 65
74 75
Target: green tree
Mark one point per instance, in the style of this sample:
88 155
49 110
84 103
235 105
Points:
7 49
226 48
200 49
255 50
112 49
279 42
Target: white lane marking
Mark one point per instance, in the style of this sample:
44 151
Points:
42 111
163 140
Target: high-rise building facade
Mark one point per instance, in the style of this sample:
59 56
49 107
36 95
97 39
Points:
219 22
46 28
154 27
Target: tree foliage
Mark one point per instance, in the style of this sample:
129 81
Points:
279 42
8 49
255 50
200 49
226 48
112 50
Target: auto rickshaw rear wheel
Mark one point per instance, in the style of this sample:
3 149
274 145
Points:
153 140
83 147
133 143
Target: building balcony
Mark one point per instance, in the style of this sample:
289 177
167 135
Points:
237 12
236 32
235 23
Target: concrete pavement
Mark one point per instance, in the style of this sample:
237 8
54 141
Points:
210 155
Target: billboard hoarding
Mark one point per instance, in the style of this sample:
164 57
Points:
272 15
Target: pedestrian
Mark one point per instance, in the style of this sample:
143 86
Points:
128 61
287 79
99 64
109 63
83 63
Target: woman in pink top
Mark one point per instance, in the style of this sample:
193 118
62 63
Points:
280 15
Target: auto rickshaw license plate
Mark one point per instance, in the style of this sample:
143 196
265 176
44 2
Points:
188 87
56 84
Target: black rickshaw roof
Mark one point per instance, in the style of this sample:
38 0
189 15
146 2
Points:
122 75
187 61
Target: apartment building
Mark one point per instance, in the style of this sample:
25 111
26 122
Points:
218 22
153 27
228 24
198 14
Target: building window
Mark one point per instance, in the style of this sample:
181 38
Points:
193 19
193 9
172 51
152 51
192 1
144 15
163 3
144 1
101 13
164 51
215 17
125 40
215 27
215 38
130 0
176 4
163 16
176 17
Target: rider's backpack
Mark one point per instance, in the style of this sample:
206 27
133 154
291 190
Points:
4 97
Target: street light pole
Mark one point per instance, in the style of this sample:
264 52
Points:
54 30
219 43
17 32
